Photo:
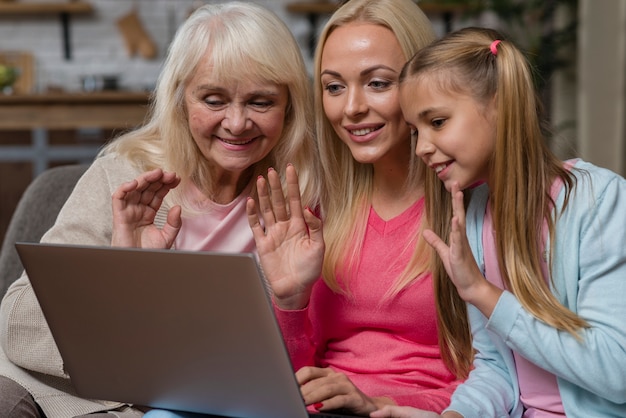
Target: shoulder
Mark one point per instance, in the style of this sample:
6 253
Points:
112 170
596 187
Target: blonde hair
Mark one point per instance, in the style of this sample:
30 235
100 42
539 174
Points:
525 169
243 41
348 183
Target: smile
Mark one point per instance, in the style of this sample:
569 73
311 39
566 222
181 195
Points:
439 167
363 131
235 142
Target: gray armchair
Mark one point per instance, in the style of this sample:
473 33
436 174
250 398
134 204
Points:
35 214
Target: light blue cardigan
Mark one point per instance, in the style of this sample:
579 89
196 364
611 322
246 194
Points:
589 278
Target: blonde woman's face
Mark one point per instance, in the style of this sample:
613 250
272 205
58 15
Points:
234 123
360 65
456 135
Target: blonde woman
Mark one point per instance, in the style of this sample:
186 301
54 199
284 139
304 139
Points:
365 334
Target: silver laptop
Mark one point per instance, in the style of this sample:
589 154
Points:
187 331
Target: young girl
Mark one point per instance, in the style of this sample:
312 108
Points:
547 279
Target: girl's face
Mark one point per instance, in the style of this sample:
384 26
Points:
456 135
360 65
234 124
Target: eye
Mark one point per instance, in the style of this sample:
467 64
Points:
261 104
380 84
215 102
333 88
413 133
438 123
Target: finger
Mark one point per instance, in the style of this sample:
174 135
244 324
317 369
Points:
145 180
168 182
293 192
277 197
439 246
392 411
265 205
314 224
120 194
434 241
172 226
458 207
253 220
308 373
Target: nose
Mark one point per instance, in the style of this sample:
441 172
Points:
424 147
356 103
236 119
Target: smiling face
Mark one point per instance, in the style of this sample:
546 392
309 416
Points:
235 124
456 134
360 65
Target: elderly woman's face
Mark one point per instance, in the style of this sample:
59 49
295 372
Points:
236 123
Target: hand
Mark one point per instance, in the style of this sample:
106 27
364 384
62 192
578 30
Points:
291 246
335 390
135 205
459 261
394 411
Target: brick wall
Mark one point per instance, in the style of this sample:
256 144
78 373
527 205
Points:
98 47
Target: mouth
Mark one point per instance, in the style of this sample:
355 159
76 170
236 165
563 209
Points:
363 131
237 142
439 167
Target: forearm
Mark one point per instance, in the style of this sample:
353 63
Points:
297 334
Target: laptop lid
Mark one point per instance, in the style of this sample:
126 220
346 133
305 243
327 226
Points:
190 331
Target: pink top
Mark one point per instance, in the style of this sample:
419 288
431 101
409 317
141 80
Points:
217 227
539 391
388 347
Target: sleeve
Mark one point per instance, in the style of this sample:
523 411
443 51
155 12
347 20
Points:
491 389
589 275
86 218
297 334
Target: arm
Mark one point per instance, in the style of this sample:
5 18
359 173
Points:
589 274
289 241
491 389
291 249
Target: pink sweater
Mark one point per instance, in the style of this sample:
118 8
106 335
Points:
386 347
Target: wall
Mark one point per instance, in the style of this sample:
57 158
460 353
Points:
601 90
98 46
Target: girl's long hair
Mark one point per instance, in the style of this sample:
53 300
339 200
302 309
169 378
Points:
523 170
348 184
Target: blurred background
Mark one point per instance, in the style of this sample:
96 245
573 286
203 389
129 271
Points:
74 73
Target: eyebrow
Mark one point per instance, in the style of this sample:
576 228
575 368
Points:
424 113
367 71
221 89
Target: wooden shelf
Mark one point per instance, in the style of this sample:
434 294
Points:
60 8
18 8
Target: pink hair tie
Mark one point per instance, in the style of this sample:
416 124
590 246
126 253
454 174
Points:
494 46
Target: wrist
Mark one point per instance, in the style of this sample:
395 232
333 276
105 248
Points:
451 414
484 296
